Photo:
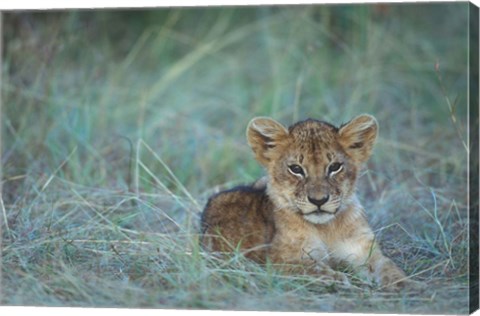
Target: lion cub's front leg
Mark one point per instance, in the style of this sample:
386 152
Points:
299 255
385 272
320 270
364 254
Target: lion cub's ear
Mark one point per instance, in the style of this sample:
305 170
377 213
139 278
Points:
263 134
358 136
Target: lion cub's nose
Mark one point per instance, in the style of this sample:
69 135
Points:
320 202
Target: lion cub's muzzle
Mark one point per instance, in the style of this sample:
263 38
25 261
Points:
324 205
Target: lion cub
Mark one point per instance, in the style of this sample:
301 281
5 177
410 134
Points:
304 214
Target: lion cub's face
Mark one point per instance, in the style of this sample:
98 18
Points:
312 165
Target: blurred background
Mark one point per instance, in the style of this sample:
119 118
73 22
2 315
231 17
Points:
105 107
187 81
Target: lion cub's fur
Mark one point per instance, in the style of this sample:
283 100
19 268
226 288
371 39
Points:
305 213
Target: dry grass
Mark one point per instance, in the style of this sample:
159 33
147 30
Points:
118 126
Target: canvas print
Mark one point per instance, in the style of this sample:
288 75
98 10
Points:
319 158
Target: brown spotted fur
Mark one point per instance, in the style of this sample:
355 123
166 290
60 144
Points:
271 218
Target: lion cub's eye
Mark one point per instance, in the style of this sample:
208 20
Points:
296 169
334 168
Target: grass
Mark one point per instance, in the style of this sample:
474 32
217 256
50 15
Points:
118 125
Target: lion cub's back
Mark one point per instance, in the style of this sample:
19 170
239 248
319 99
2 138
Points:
239 217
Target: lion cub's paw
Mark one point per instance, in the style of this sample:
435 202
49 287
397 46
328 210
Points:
343 279
397 281
412 285
332 276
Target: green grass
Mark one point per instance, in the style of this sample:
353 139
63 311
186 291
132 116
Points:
118 125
